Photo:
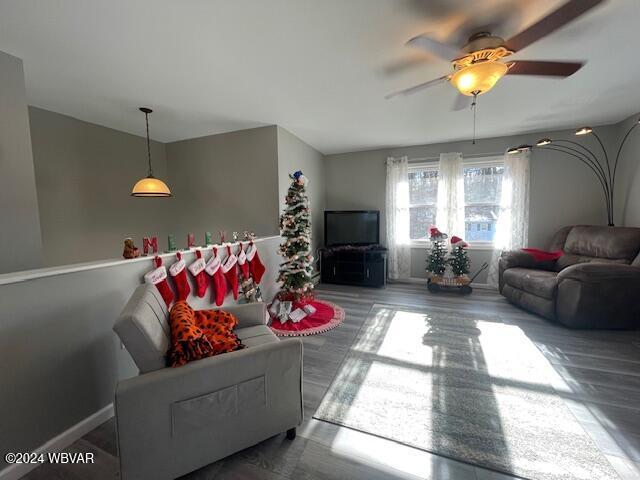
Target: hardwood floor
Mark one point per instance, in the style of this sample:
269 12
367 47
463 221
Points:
601 370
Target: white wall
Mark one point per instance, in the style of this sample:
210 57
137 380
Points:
20 236
294 154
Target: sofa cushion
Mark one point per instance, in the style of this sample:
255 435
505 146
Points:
617 243
143 328
541 283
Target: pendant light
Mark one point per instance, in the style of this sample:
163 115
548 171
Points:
150 186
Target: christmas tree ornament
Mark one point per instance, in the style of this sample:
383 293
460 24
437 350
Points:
255 264
295 227
171 240
149 243
230 271
178 272
130 250
214 269
197 270
158 277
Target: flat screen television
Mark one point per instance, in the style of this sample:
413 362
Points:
351 227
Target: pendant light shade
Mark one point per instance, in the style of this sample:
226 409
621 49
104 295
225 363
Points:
150 186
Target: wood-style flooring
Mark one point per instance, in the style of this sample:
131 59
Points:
602 369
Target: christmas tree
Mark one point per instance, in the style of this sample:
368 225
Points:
458 259
295 228
436 261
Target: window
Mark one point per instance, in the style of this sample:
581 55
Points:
423 194
482 190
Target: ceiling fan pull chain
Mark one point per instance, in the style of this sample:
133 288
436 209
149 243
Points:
474 107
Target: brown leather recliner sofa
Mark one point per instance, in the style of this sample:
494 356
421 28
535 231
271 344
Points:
595 284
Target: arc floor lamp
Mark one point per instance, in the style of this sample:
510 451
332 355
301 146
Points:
601 165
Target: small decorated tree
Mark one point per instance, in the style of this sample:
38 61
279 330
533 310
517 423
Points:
295 228
436 261
458 259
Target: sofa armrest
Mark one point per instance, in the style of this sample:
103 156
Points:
512 259
249 314
171 419
517 258
598 295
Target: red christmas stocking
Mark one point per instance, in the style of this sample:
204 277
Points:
197 270
243 264
158 277
230 270
214 268
179 273
255 264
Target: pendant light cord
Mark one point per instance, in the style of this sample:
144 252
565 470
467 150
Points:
146 117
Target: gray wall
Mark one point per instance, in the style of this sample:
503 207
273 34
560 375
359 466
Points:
563 191
20 237
294 154
628 178
84 176
60 359
225 182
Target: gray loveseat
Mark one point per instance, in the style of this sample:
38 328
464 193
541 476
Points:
171 421
595 284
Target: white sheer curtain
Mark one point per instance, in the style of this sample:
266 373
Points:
397 206
450 213
512 229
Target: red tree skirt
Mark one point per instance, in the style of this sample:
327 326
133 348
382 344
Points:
327 316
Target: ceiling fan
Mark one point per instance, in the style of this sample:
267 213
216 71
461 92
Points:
477 66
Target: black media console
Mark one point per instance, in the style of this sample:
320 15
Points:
364 266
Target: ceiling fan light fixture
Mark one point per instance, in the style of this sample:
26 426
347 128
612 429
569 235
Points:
584 130
543 141
478 78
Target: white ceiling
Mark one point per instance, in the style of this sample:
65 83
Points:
319 68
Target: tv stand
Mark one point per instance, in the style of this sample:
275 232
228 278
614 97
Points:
353 265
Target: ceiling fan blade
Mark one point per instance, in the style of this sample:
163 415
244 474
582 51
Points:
417 88
462 102
547 69
556 19
431 45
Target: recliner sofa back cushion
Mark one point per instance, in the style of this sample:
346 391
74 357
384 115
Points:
143 328
614 243
590 243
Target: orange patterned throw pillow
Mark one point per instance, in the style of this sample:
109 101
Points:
199 334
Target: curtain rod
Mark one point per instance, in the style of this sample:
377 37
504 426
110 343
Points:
471 155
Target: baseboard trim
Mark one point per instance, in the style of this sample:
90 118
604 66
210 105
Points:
59 442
